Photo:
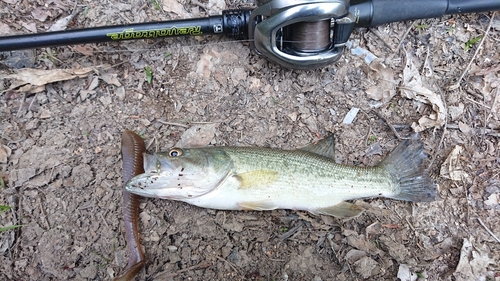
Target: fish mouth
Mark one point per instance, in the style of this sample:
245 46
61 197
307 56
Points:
147 184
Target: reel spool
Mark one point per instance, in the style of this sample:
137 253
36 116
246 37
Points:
301 34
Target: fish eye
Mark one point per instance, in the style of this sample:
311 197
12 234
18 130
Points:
175 152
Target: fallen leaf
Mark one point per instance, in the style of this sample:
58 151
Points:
172 6
93 84
456 111
385 84
111 79
404 273
5 29
45 114
414 89
197 136
85 50
40 77
30 26
5 152
464 128
215 6
61 24
12 2
452 168
40 14
473 263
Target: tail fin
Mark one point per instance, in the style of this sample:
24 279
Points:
404 164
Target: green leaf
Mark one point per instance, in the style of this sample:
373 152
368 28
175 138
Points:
149 74
4 208
10 227
471 42
168 54
420 274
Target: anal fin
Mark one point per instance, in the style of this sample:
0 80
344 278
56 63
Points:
262 205
342 210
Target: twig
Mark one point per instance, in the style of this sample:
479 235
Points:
488 230
290 232
21 105
390 126
405 35
44 215
492 106
233 266
379 36
31 103
445 125
478 103
172 123
457 84
198 3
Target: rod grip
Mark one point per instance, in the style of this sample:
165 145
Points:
472 6
376 12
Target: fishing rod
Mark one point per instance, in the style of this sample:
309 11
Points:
298 34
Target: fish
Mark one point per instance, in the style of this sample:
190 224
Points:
260 178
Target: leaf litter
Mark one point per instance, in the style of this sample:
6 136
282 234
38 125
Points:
74 174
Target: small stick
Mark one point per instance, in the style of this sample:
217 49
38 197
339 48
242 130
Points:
478 103
390 126
172 123
457 84
233 266
488 230
379 36
44 215
405 35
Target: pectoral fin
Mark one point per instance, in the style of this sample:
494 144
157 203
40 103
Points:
256 178
342 210
324 147
263 205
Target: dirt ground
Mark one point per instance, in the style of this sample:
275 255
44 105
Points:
60 148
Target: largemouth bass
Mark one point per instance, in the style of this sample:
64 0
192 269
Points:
253 178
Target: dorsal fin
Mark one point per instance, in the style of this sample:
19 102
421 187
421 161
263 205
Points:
324 147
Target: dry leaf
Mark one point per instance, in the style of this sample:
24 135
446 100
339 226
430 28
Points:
473 263
5 152
414 89
404 273
61 24
215 6
30 26
111 79
451 168
85 50
40 77
93 84
385 87
41 14
197 136
5 29
172 6
12 2
456 111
